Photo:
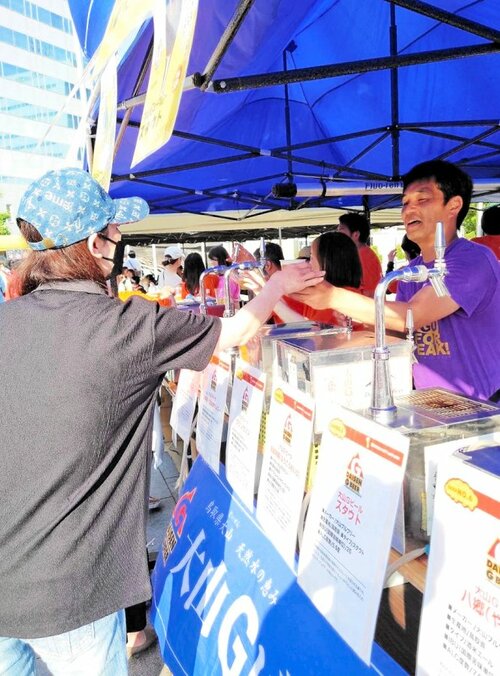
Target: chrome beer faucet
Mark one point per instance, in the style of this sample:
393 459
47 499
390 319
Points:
245 265
437 273
382 403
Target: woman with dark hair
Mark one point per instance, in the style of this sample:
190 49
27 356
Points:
337 255
74 480
193 267
218 255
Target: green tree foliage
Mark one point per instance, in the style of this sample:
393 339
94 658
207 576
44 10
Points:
469 224
4 217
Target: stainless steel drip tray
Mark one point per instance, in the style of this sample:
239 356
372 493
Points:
435 407
445 407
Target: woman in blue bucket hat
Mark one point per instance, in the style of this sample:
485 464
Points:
74 452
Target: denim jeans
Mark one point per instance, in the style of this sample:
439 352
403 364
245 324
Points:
96 649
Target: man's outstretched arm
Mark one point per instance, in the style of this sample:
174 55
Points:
426 306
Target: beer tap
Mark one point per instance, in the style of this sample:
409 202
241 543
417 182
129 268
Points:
382 402
410 326
437 273
244 265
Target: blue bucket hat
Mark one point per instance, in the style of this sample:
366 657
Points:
68 205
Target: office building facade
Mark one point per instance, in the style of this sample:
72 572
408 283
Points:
40 63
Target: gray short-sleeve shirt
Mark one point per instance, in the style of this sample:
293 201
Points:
80 372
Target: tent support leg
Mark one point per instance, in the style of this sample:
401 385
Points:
394 97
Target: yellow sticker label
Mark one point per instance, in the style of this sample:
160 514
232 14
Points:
279 395
337 428
460 491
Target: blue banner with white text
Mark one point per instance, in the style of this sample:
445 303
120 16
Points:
225 602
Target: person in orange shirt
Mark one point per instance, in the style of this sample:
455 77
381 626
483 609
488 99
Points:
193 267
490 225
356 226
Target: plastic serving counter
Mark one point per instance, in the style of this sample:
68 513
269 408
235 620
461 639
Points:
259 351
338 368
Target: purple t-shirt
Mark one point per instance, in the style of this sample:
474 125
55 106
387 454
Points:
461 352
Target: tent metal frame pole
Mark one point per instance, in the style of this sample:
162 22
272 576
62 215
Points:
253 201
288 125
448 18
365 150
483 156
452 137
393 42
184 167
350 68
140 79
328 165
203 80
332 139
468 142
211 141
450 123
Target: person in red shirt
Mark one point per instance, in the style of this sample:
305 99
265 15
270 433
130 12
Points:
356 226
490 225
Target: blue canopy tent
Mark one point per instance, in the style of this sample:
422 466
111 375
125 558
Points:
287 101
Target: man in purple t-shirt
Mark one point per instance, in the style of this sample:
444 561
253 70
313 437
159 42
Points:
458 336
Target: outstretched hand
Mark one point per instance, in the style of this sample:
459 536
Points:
317 296
252 280
297 277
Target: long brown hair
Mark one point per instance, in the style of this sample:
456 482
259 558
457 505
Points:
55 265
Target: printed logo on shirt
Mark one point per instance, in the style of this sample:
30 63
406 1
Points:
428 342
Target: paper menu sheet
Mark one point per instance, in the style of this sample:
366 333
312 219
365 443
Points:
435 453
460 623
284 468
184 404
247 401
349 524
213 393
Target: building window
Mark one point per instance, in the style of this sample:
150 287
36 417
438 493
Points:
25 144
38 113
34 79
33 11
37 46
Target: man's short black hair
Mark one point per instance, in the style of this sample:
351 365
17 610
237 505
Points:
450 179
272 252
490 221
357 223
